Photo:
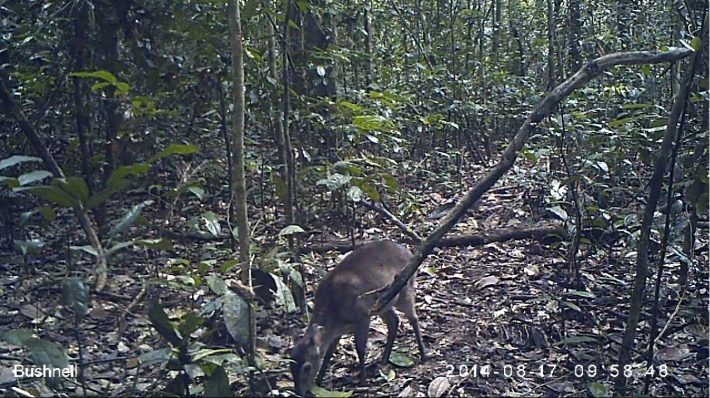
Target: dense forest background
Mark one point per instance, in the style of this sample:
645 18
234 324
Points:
177 176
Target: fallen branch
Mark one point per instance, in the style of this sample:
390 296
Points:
473 240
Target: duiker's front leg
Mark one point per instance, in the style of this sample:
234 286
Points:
361 331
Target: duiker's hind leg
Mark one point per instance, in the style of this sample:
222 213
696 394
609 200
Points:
405 303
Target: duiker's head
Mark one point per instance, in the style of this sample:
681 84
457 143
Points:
307 359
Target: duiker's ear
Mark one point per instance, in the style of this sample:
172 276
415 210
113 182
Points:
316 332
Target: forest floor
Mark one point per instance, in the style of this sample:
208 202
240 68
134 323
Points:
498 319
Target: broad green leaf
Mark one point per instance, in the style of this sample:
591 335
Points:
283 295
334 181
117 176
390 181
236 317
211 223
128 219
160 321
75 296
45 352
75 187
16 337
228 265
197 191
401 360
122 88
175 149
217 384
189 323
17 159
356 194
217 284
162 355
10 182
52 194
34 176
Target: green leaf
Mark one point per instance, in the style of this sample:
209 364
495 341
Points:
217 284
372 122
211 223
189 323
16 337
559 212
283 295
116 178
356 194
334 181
209 352
236 317
29 178
122 88
321 392
581 294
696 43
162 355
45 352
350 106
217 384
87 249
10 182
118 246
389 376
598 389
197 191
401 360
52 194
155 244
98 74
31 246
76 296
17 159
291 230
74 187
228 265
128 219
390 181
175 149
160 321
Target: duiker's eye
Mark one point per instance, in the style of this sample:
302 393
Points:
306 367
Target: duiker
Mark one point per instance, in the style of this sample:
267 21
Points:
338 310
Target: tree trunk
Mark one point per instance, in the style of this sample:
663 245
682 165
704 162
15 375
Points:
239 198
655 186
